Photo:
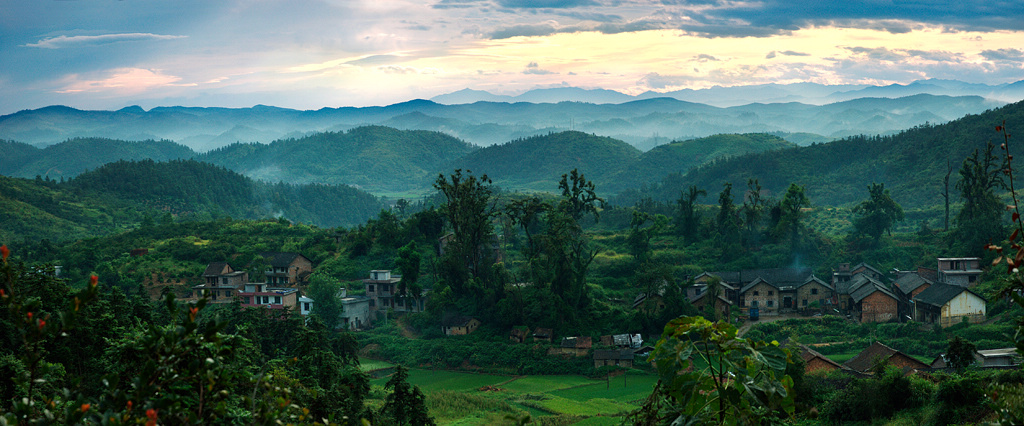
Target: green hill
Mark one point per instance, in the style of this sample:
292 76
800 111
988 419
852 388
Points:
74 156
537 163
681 156
911 164
373 158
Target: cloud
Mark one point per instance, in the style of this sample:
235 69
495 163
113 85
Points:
533 68
792 53
375 60
657 81
703 57
878 53
60 42
523 31
124 80
1003 55
546 4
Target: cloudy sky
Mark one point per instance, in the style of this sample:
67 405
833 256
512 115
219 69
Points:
94 54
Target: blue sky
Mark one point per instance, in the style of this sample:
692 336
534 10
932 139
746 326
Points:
313 54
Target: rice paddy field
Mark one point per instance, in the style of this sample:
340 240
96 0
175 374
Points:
464 398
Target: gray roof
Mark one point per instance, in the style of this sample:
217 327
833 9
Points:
910 282
812 279
775 276
866 286
279 259
215 269
939 294
613 354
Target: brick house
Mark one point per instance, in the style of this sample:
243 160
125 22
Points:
286 269
254 295
608 357
722 304
459 325
814 361
879 353
872 301
574 346
814 290
222 283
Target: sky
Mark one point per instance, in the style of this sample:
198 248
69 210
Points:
309 54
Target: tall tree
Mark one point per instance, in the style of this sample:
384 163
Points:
642 227
878 214
469 209
728 229
409 263
326 304
688 221
790 211
753 211
406 405
980 220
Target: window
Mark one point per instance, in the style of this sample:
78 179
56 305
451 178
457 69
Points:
277 300
814 291
972 279
756 294
770 293
369 287
224 280
770 303
307 306
804 302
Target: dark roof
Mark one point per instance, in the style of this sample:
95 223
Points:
807 354
868 267
216 268
542 332
814 279
928 274
910 282
456 321
603 354
939 294
701 296
279 259
775 276
581 342
865 286
877 351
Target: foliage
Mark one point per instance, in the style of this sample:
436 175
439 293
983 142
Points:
960 353
878 214
325 293
406 404
709 376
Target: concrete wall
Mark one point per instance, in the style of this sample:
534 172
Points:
963 305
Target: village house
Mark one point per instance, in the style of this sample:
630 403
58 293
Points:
543 335
383 290
960 271
948 305
814 291
222 283
519 334
845 280
617 357
990 358
878 353
574 346
458 325
633 341
872 301
254 295
355 312
722 304
814 361
772 291
286 269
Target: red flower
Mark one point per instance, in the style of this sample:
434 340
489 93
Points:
93 280
85 407
151 414
29 315
129 405
4 252
41 325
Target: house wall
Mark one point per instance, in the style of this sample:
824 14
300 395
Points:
964 305
903 361
355 314
767 299
804 294
877 307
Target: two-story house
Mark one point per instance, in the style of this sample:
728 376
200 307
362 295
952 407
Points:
961 271
286 269
222 283
254 295
383 290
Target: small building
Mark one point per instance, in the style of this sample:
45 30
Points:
622 340
1005 357
286 269
722 304
575 346
543 335
872 301
384 292
519 334
879 353
255 295
814 291
305 305
222 283
960 271
814 361
948 305
355 312
617 357
458 325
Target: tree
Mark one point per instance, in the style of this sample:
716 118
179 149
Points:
789 213
639 239
710 376
409 263
406 404
980 220
688 221
469 209
960 353
753 210
878 214
327 305
728 228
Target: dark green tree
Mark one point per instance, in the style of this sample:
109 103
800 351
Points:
469 208
406 405
980 219
727 220
688 220
642 227
409 262
790 211
960 353
878 214
753 213
325 292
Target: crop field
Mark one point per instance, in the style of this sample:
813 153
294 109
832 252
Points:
461 398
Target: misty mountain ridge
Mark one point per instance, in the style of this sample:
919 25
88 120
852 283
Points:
643 121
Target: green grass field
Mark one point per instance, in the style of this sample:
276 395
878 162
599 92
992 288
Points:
456 398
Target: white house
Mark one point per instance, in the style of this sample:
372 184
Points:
948 305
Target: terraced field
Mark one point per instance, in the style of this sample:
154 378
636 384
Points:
461 398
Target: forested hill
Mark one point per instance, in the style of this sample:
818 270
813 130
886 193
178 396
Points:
120 195
74 156
192 188
911 164
537 163
374 158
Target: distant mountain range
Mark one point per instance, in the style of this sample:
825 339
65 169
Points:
807 93
643 121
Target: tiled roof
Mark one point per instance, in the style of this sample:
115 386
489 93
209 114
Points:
865 286
580 342
939 294
280 259
216 268
807 354
877 351
910 282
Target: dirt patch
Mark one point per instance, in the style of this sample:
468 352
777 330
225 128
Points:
406 330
